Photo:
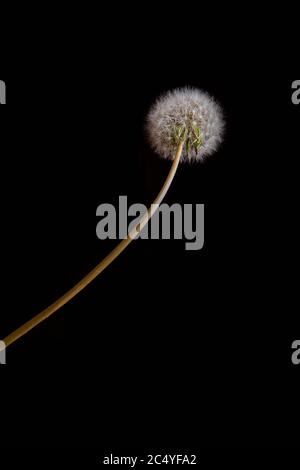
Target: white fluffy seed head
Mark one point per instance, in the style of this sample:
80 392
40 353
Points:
188 115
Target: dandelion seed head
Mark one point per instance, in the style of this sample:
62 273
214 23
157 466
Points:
189 115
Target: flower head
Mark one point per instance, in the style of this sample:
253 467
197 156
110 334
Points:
185 115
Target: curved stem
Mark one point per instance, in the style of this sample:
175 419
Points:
22 330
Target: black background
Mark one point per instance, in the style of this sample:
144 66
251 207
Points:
168 348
